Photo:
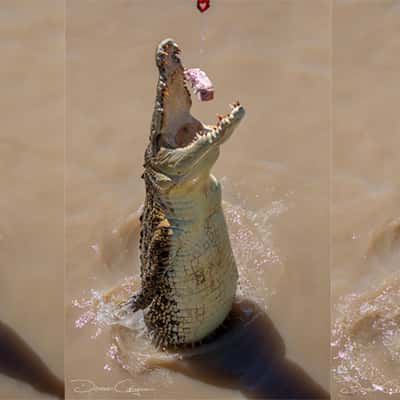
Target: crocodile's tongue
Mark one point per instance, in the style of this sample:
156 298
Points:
201 83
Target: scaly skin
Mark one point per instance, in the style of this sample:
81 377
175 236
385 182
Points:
188 271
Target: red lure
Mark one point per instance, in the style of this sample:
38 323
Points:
203 5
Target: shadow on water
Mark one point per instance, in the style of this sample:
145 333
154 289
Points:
248 354
19 361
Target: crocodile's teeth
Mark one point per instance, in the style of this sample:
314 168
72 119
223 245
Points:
197 137
231 106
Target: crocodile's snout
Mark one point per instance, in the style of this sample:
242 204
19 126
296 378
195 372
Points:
167 54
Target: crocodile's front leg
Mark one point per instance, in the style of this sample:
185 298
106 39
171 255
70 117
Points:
153 272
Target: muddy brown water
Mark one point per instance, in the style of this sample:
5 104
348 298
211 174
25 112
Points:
310 188
365 201
32 201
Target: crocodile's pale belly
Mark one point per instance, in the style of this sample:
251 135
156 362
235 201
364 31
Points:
202 274
204 277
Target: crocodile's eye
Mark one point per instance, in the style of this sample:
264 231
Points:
175 57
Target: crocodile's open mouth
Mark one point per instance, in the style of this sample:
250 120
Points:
179 128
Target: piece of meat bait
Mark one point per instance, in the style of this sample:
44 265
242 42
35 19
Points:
201 83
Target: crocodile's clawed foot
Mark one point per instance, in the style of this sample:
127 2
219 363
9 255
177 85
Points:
124 309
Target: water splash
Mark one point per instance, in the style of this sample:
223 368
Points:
100 307
366 341
256 256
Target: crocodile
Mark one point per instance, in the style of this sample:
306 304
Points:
187 268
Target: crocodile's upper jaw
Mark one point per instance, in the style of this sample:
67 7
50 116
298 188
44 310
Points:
178 126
